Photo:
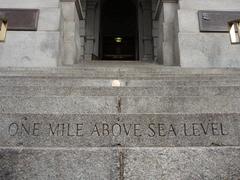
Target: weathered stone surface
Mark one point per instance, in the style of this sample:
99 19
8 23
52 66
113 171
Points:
182 163
230 91
113 104
49 19
118 163
58 163
144 130
208 50
108 82
39 49
59 105
192 24
179 104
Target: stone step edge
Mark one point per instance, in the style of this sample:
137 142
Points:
124 76
106 114
140 87
120 87
122 72
115 97
121 114
76 96
115 148
52 91
116 66
115 74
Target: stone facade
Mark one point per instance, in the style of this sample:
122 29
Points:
168 33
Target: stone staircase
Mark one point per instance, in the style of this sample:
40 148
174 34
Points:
120 121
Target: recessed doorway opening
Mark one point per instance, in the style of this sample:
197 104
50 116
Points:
118 38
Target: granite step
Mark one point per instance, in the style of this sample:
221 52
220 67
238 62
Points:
122 67
203 91
164 123
127 130
80 82
116 105
120 163
91 74
117 74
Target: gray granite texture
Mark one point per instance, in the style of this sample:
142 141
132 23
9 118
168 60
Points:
183 163
114 104
58 164
56 124
203 91
120 163
105 82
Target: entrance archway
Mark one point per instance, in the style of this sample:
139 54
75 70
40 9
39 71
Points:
118 30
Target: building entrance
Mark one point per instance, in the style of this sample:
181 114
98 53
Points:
118 30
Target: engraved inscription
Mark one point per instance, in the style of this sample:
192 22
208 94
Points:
117 129
126 130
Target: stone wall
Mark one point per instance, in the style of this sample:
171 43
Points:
205 49
39 48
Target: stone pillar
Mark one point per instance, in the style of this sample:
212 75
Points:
72 15
157 38
146 34
82 25
165 14
90 29
169 32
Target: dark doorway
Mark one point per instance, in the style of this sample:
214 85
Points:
118 32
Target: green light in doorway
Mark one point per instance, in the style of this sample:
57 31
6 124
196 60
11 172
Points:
118 39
